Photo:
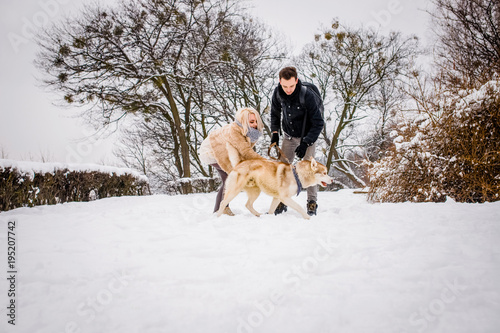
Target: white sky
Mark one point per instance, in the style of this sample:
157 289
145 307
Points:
32 127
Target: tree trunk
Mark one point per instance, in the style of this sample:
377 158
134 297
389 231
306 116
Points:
186 162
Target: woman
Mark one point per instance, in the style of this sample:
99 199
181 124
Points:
242 134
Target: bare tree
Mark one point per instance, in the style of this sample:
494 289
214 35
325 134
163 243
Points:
242 79
469 41
181 66
133 151
389 98
350 64
143 56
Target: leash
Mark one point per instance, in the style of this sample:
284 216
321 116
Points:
279 153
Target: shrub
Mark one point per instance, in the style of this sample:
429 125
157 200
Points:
457 156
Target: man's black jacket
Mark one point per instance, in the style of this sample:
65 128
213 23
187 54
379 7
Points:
291 119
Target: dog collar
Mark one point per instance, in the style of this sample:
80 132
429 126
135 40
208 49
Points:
299 184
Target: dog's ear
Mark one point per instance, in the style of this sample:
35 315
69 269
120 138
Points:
314 164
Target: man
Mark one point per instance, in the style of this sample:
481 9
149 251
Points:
301 128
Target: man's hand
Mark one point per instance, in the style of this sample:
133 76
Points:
301 150
275 139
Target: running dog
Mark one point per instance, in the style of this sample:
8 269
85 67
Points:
277 179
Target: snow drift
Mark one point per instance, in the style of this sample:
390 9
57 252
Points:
166 264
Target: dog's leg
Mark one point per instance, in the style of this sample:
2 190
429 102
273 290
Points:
227 199
229 192
273 206
252 193
291 203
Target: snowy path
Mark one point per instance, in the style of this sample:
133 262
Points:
166 264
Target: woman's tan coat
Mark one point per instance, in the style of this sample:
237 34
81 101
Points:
232 134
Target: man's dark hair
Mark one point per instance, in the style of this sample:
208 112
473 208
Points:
288 72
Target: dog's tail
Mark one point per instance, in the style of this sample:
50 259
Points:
233 154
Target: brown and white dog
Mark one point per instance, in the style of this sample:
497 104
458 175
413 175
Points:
277 179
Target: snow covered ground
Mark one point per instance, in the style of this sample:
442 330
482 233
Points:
166 264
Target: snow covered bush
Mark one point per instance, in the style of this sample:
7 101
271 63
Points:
28 184
456 156
404 173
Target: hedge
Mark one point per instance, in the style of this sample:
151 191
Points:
19 188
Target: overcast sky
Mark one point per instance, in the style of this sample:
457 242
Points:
31 126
